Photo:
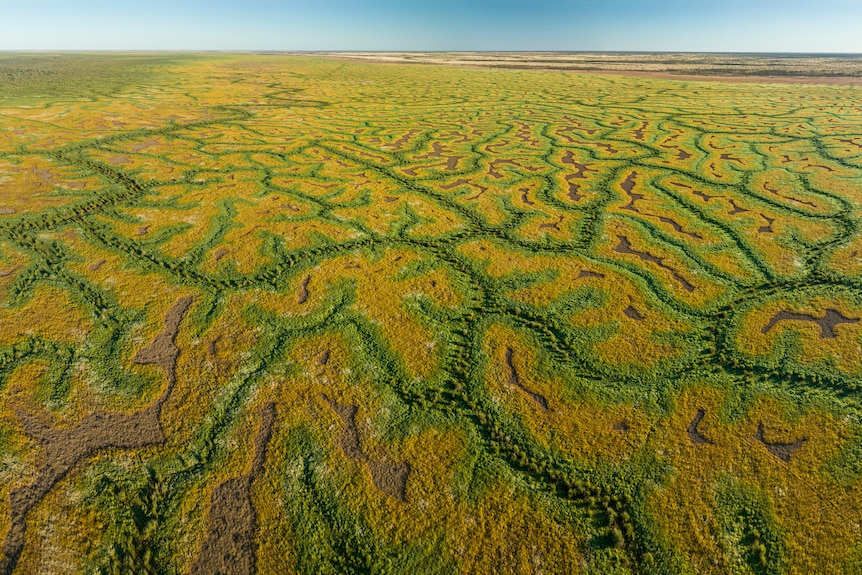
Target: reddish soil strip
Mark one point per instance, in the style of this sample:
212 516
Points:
390 199
782 451
625 247
516 381
96 265
639 133
64 448
524 197
553 226
303 291
767 229
387 476
634 314
232 523
827 323
694 435
837 80
679 228
736 209
589 274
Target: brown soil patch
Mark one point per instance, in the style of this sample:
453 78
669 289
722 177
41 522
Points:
220 253
115 160
679 228
144 145
775 192
729 158
634 314
767 229
694 435
552 226
516 381
574 189
455 184
482 190
303 291
590 274
827 323
232 524
437 151
622 426
782 451
96 265
6 211
387 476
63 448
142 230
850 142
736 209
524 198
625 247
628 185
398 144
705 197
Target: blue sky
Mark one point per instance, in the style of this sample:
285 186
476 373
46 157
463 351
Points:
652 25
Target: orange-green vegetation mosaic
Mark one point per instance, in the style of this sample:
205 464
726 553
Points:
279 314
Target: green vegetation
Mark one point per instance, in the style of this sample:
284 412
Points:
296 315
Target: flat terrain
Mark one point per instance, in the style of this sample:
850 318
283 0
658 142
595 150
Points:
283 314
780 68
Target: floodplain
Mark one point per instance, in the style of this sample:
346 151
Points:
291 314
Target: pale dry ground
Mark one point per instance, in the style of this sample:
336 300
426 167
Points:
821 69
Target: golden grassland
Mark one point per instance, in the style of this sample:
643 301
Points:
303 315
